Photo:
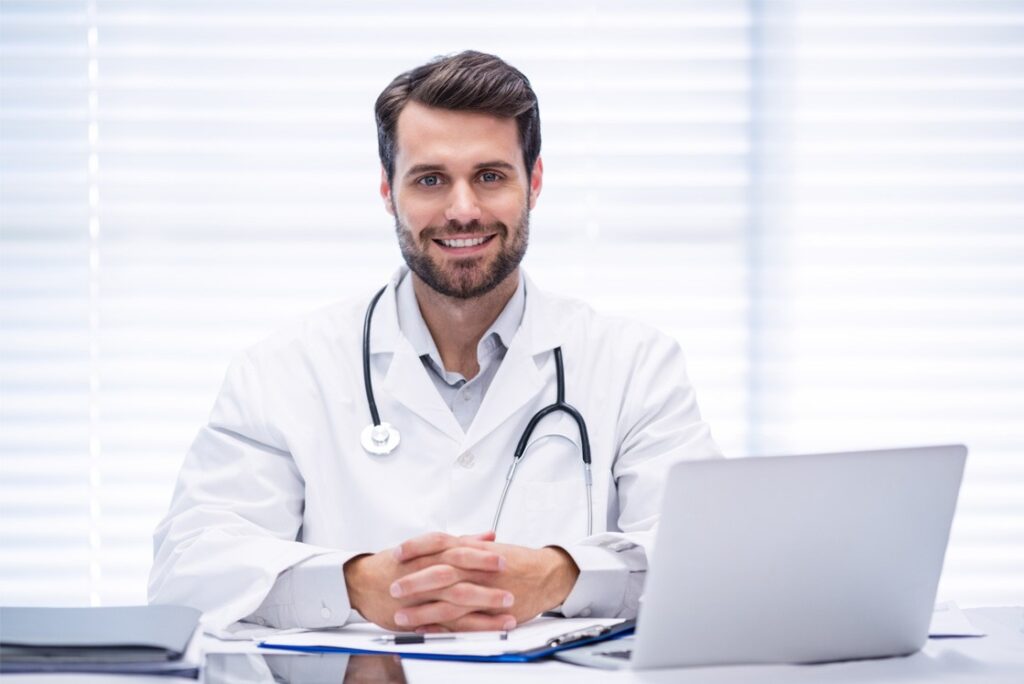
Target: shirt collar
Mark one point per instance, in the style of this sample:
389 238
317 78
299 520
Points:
498 335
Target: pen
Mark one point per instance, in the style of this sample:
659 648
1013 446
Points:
404 639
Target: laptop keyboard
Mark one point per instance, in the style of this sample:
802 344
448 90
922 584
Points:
625 655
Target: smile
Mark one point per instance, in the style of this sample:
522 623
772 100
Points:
464 242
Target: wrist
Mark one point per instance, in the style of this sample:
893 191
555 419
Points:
354 583
562 574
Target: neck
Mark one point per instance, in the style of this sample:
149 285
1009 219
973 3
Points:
458 324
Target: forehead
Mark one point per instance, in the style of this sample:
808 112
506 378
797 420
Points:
428 135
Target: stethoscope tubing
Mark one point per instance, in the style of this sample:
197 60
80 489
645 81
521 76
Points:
367 382
560 405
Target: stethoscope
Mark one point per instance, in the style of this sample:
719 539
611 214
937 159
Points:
381 438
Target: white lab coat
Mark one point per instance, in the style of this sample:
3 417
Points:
278 476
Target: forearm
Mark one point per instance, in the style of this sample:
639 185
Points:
226 576
612 570
311 595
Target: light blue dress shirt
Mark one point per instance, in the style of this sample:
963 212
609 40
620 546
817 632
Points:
462 396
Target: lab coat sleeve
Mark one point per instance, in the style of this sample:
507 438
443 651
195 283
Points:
231 532
310 594
660 425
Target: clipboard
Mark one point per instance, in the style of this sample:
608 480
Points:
580 633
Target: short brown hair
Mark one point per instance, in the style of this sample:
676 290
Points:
469 81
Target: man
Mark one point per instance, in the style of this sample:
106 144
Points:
282 518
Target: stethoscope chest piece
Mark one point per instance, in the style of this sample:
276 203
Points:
380 439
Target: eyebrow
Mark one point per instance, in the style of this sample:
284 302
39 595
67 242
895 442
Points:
431 168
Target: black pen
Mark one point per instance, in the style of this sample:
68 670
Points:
405 639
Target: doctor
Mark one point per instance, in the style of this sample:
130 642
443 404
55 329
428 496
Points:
282 517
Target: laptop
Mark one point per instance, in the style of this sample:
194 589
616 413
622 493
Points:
793 559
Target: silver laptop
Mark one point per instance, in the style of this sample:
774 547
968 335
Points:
793 559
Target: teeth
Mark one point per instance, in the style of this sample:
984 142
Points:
463 243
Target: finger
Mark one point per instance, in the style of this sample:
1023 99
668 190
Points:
435 612
482 622
424 545
466 558
433 629
484 540
428 579
427 545
476 596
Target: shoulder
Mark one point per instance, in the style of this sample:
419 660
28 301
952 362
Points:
600 332
335 326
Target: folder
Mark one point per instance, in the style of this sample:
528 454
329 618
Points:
536 639
125 639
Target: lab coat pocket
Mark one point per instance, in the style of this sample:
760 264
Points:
547 501
551 496
552 466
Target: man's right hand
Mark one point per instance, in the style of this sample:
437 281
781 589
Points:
456 562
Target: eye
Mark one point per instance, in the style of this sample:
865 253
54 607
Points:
490 177
429 181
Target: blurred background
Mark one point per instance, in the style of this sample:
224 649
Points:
823 201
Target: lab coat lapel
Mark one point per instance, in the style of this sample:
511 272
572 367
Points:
406 379
519 379
408 383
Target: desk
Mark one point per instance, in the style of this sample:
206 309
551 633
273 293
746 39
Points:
995 659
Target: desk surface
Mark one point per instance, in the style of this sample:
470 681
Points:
994 659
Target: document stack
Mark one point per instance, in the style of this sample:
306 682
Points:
151 640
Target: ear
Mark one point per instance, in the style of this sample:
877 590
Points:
536 181
385 191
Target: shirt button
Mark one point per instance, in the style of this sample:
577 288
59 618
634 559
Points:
585 612
325 613
261 621
466 460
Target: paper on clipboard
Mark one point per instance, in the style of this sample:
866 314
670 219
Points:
363 637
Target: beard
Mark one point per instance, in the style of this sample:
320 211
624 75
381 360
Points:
467 277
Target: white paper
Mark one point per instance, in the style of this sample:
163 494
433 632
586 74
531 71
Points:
949 621
532 635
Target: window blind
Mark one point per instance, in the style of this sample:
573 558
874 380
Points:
893 146
47 499
817 200
226 182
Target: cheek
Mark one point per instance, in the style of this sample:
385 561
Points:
418 213
507 208
410 217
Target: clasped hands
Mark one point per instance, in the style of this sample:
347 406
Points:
438 582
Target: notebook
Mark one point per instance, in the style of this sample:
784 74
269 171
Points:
128 639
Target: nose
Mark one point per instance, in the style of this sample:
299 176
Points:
462 204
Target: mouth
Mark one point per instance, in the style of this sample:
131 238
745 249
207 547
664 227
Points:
469 244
